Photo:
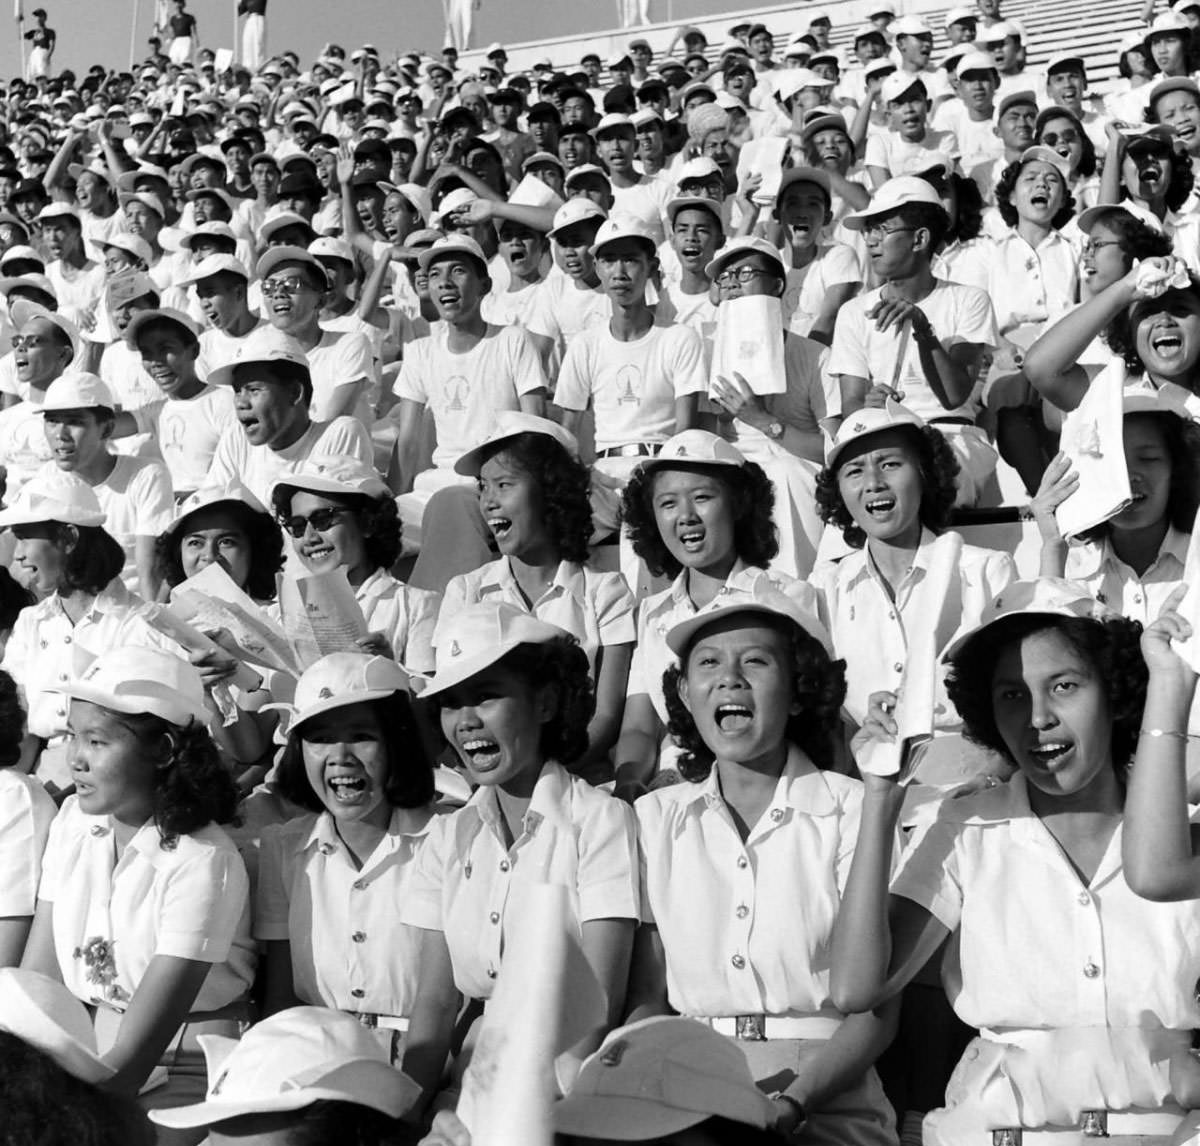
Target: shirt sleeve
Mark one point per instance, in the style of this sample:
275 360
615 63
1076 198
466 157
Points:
24 829
154 499
422 619
848 354
614 607
876 155
354 361
422 904
223 468
688 372
410 383
974 320
541 317
527 372
347 436
145 418
840 265
647 812
271 897
607 873
929 873
202 906
573 390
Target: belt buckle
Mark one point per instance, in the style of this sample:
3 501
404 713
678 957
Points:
1010 1136
371 1022
750 1028
1094 1123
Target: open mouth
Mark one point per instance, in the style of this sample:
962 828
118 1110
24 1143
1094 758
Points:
690 252
733 717
881 506
1040 200
692 540
482 754
1051 754
347 790
1167 342
499 526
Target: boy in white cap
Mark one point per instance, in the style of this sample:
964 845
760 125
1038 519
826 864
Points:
221 284
78 281
642 196
970 116
908 144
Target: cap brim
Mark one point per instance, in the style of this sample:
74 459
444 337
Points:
460 670
472 461
15 516
839 448
621 1118
680 635
659 462
81 690
328 704
321 485
960 642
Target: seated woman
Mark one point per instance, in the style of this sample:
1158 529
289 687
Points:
341 515
515 698
768 833
702 514
1049 944
329 881
533 494
144 909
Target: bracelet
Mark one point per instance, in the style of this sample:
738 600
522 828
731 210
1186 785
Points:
1166 733
797 1106
1026 513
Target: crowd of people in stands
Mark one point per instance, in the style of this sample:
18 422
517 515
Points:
746 488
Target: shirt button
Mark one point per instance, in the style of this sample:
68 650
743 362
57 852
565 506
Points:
357 992
1137 598
738 962
359 884
359 937
743 861
491 972
897 667
99 830
43 642
1084 899
1090 969
504 865
62 676
67 639
327 849
776 815
495 917
742 911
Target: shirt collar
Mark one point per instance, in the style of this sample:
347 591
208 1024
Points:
568 580
548 801
1093 558
114 596
324 836
866 565
802 787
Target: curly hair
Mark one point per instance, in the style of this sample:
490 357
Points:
13 598
1120 334
409 781
377 517
92 557
261 530
1138 241
818 686
563 483
1089 161
755 539
349 1123
45 1104
968 217
1111 647
1182 440
562 663
1008 211
12 721
193 786
939 473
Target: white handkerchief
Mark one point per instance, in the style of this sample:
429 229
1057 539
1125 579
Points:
1093 438
749 342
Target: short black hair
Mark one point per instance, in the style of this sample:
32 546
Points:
410 771
92 557
12 721
280 372
1008 210
377 517
755 538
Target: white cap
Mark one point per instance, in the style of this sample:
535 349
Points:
701 167
275 257
695 447
129 243
576 210
43 1013
881 65
577 173
416 195
996 33
1039 154
897 192
869 420
208 495
510 424
910 26
147 199
278 222
623 226
973 61
143 318
54 495
142 680
645 115
476 637
341 679
1059 59
213 265
898 84
960 14
1086 220
611 122
329 247
735 248
763 598
456 200
266 344
291 1060
695 203
450 245
214 229
77 390
1170 22
23 310
333 473
21 251
57 211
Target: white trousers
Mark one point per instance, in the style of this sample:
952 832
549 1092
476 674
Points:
38 65
254 41
180 51
459 14
631 13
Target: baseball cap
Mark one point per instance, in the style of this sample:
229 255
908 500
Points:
210 495
824 121
1014 98
215 229
278 256
695 202
539 158
266 345
735 248
334 473
657 1077
1041 154
574 211
457 200
142 680
972 61
144 318
701 168
341 679
21 251
54 496
291 1060
910 26
1168 23
510 424
695 447
960 15
43 1013
130 243
1045 596
77 390
867 421
1173 84
614 121
328 247
213 265
584 169
278 222
476 637
623 226
898 84
1061 61
805 175
451 245
764 598
57 211
416 196
998 32
895 193
1086 220
22 310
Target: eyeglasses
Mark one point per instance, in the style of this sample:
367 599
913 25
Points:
291 286
1054 138
320 519
878 232
28 341
1093 245
743 275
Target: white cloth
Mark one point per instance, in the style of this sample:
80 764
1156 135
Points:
404 614
187 431
806 287
1109 579
341 359
898 156
26 812
254 41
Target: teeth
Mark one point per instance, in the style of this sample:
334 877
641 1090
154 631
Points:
478 745
499 524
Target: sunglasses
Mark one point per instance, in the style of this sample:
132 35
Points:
320 519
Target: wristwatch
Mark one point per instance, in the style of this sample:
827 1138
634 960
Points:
774 430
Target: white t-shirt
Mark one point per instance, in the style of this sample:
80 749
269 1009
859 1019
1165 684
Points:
187 431
466 391
219 349
646 200
512 307
258 467
695 311
78 291
632 386
562 310
899 156
26 811
977 140
337 360
23 446
806 287
956 313
122 370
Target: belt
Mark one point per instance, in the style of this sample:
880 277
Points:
631 450
951 420
759 1028
1112 1124
381 1022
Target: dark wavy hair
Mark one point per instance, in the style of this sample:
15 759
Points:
1111 647
45 1105
1008 211
1182 440
92 557
266 548
968 220
755 539
1138 241
13 598
562 663
1089 161
193 788
348 1124
410 771
818 686
377 518
12 721
563 484
1121 332
939 472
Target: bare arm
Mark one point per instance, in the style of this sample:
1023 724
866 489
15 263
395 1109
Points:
39 952
534 402
432 1021
56 173
648 976
835 297
611 677
687 412
637 747
408 440
570 419
608 946
14 933
281 990
143 555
